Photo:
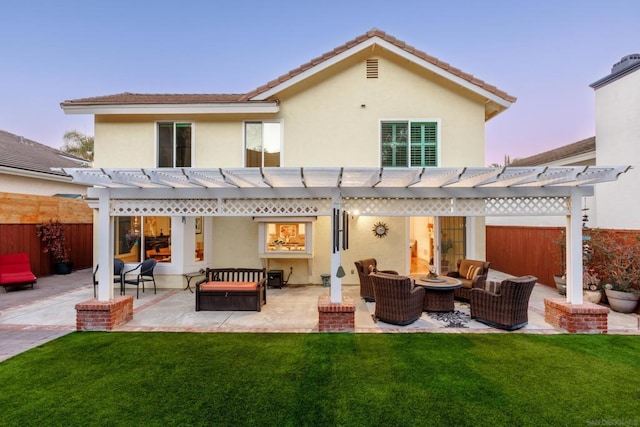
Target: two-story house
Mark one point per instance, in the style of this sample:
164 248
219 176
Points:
375 147
372 102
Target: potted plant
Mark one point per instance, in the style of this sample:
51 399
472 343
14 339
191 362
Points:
617 261
53 239
591 286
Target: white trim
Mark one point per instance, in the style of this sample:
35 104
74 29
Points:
390 47
157 142
34 174
276 219
209 108
244 140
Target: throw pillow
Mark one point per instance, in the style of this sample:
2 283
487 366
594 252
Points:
472 272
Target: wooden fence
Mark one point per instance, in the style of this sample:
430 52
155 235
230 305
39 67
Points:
16 238
19 216
520 250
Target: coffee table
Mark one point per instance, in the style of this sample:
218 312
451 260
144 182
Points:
438 293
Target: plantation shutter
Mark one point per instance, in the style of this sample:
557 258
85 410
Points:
394 144
424 144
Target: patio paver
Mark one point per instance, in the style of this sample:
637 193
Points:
38 317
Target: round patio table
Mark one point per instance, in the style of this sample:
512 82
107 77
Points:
438 292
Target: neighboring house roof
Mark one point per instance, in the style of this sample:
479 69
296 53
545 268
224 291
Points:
23 156
565 154
264 96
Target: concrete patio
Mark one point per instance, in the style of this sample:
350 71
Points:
29 318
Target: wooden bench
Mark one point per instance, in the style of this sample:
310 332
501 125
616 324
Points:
232 289
15 270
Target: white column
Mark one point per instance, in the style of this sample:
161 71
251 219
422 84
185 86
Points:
336 257
105 247
574 250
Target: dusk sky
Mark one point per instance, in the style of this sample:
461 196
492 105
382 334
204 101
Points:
545 53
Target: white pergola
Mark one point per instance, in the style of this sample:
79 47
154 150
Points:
288 191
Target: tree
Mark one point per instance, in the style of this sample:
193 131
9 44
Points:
78 144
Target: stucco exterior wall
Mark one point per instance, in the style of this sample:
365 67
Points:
38 186
618 143
335 121
331 119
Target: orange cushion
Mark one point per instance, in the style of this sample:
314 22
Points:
229 286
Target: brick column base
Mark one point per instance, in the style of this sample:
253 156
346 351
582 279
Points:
94 315
587 318
336 317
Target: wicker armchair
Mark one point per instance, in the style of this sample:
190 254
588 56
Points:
365 267
470 278
398 300
506 307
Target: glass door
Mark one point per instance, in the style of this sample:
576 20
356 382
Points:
453 237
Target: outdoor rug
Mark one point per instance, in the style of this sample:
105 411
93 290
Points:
460 318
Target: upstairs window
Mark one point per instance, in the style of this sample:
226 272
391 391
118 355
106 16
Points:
409 144
174 145
262 144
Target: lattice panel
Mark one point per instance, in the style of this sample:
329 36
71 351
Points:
528 206
366 206
226 207
399 207
164 207
275 207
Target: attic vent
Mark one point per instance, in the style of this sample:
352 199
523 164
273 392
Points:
372 68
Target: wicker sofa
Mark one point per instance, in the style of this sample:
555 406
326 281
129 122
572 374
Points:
472 273
365 268
504 305
398 300
232 289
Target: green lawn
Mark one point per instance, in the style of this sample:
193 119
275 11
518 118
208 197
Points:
93 378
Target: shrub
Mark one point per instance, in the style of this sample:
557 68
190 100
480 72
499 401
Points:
54 240
615 257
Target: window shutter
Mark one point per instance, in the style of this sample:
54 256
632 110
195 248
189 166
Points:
424 149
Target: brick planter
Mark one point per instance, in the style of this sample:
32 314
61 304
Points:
587 318
94 315
336 317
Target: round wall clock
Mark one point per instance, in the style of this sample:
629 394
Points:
380 229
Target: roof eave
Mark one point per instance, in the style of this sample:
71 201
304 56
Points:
613 77
204 108
376 40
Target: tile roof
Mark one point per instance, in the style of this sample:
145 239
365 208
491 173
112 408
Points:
146 98
390 39
560 153
24 154
140 98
